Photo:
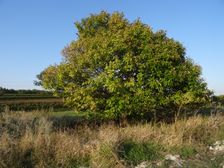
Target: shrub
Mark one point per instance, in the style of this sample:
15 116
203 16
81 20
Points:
134 153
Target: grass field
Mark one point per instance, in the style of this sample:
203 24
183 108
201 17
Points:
39 133
31 140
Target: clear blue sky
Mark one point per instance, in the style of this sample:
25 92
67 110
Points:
33 33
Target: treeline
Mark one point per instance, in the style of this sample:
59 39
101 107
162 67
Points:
5 91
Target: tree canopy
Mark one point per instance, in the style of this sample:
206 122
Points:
120 69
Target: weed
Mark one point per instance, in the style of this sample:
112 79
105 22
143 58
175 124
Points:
134 153
185 151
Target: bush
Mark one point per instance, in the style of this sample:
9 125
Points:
134 153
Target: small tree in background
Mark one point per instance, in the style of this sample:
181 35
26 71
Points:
123 69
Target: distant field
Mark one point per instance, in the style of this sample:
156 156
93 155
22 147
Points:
11 96
30 102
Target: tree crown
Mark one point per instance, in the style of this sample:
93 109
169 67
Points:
120 68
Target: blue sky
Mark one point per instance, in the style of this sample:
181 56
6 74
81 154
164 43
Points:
33 33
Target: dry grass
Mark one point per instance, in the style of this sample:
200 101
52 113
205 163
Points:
30 142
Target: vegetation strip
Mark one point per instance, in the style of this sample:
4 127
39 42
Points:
19 101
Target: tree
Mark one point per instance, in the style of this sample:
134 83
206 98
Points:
123 69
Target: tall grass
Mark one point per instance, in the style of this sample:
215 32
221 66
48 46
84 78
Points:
28 141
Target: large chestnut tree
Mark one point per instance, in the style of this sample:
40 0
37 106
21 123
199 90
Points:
120 69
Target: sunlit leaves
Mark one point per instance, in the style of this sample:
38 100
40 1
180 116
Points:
122 69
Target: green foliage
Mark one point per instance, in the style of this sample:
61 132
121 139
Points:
218 100
123 69
134 153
